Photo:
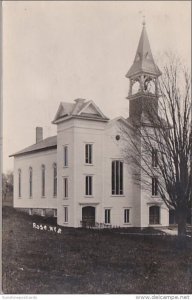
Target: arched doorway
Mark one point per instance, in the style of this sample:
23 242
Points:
154 215
88 216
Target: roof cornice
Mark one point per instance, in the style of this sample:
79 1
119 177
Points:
34 151
62 119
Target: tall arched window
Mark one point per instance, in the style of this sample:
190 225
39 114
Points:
19 182
43 180
54 180
30 181
117 177
154 214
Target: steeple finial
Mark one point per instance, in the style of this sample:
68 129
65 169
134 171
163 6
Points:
143 23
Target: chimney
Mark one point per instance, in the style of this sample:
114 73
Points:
39 134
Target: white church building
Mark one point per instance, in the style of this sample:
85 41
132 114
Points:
80 175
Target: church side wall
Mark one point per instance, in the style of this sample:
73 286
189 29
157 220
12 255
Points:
65 137
117 203
35 161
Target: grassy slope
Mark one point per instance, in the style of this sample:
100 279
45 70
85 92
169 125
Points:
87 261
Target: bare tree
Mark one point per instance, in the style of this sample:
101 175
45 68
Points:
159 143
7 185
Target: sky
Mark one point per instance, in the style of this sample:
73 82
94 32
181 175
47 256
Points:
57 51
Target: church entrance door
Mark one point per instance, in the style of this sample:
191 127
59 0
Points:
88 216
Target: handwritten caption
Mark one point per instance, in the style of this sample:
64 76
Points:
47 228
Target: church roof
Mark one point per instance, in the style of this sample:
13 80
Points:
118 119
144 61
46 144
80 109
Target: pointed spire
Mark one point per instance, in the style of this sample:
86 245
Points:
143 62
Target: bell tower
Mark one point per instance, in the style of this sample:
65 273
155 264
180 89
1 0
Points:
143 76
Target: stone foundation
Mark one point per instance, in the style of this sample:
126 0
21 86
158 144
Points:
48 212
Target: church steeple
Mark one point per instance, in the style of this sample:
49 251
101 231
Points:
143 76
143 62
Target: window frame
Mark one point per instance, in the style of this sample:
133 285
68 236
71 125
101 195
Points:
30 182
117 184
65 187
65 156
89 153
89 185
107 216
66 214
126 218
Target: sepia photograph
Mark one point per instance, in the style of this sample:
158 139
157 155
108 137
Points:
97 148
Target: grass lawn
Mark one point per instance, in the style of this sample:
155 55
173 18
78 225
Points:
90 261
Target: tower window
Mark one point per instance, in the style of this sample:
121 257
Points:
88 153
154 186
88 185
117 177
154 158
